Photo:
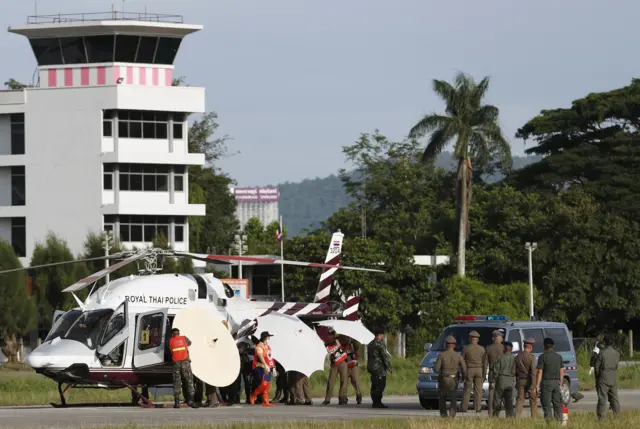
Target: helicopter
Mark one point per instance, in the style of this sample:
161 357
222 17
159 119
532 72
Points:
117 338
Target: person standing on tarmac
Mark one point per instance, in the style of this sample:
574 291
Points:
448 364
352 366
378 365
338 359
606 368
494 351
263 367
246 359
526 378
179 347
504 378
475 357
551 375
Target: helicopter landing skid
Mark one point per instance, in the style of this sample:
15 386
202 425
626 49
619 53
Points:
146 402
63 403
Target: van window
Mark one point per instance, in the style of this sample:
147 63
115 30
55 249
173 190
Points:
560 337
514 337
461 334
538 346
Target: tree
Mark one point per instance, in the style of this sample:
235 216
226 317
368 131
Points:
592 145
17 308
478 136
50 281
14 85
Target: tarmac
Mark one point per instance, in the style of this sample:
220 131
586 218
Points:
100 416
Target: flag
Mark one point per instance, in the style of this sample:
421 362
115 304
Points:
279 234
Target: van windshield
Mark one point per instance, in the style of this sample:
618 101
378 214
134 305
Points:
89 326
63 324
461 334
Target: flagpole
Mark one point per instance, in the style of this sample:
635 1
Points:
282 257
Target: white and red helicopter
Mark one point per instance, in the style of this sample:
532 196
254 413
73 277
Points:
117 337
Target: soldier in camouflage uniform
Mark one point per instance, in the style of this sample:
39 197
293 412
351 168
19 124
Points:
448 364
378 364
181 368
606 367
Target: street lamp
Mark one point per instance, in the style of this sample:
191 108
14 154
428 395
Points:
240 247
530 247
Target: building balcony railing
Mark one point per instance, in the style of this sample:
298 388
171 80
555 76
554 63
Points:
65 18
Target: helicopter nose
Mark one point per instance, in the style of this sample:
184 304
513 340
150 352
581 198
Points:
38 360
59 354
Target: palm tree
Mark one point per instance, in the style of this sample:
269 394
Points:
478 136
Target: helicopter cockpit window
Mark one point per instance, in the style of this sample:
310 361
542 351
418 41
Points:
151 332
115 325
88 327
63 324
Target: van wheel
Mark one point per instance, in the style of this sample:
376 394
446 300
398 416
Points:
429 404
566 392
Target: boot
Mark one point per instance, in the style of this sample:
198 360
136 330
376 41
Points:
359 399
190 402
278 395
260 389
211 402
176 403
342 401
265 399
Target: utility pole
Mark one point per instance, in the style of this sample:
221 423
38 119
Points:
107 248
282 257
531 247
241 247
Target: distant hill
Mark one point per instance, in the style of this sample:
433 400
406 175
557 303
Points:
310 202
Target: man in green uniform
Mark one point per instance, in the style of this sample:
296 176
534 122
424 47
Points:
504 377
550 379
475 357
606 367
526 378
494 351
447 366
378 365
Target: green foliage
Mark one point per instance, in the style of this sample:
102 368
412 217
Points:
17 308
14 85
261 240
50 282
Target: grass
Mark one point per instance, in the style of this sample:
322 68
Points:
628 419
24 387
19 386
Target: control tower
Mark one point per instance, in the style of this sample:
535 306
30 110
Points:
101 141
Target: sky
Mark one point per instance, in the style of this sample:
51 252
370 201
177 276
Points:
293 81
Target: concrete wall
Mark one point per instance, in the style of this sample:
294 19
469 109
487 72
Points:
5 135
5 229
5 186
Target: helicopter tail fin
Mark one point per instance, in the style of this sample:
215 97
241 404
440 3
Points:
351 306
333 258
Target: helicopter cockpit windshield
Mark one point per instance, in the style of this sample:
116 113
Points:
63 324
89 327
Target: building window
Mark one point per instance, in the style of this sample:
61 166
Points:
178 233
19 236
177 130
178 183
17 134
145 228
142 177
17 186
139 124
107 177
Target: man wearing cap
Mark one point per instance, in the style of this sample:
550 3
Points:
179 348
378 365
504 378
475 357
263 367
338 360
352 367
606 367
526 378
447 366
550 379
494 351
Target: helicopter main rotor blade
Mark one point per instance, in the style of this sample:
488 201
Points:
224 258
81 284
53 264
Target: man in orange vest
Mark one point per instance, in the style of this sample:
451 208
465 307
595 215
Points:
179 347
338 359
352 364
263 368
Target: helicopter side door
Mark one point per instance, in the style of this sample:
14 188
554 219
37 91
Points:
150 341
112 346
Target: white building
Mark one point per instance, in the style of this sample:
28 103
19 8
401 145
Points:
100 143
263 203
